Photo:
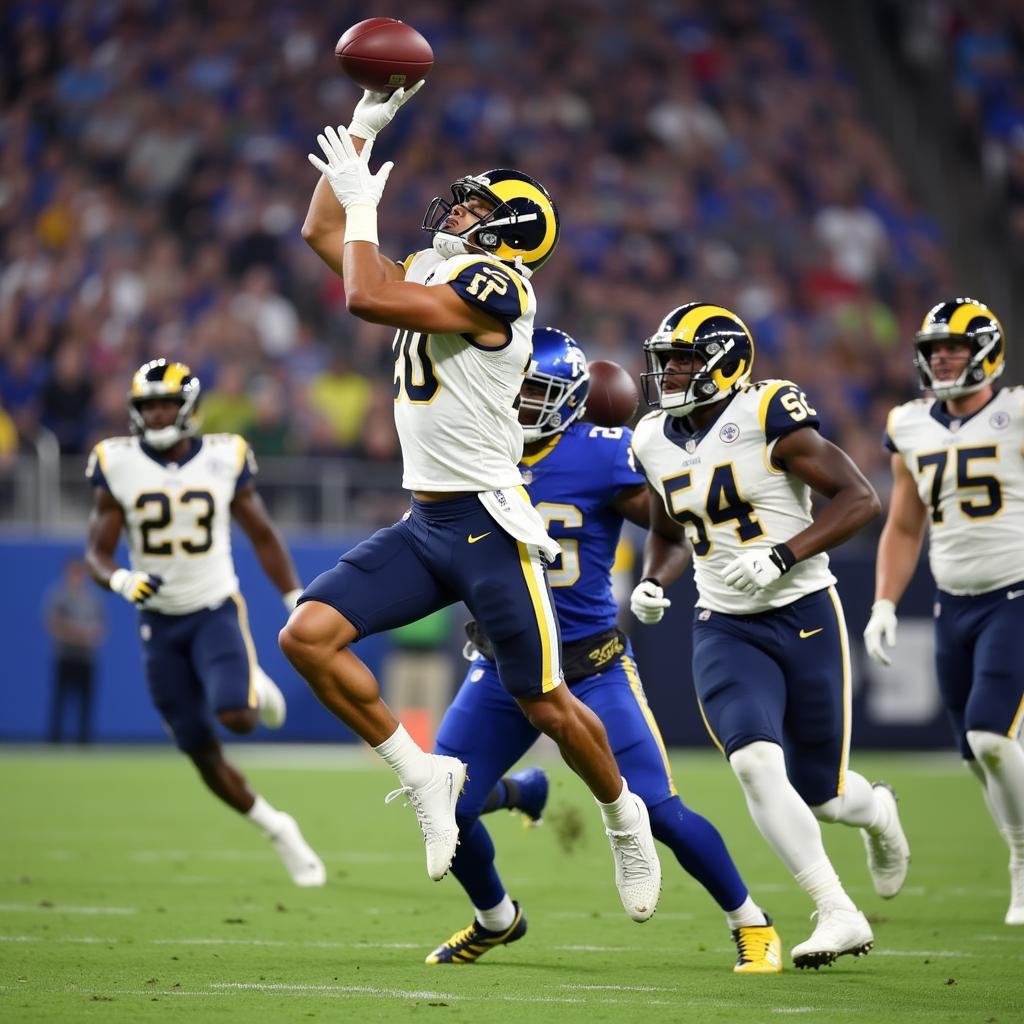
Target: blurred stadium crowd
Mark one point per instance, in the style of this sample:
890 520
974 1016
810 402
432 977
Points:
154 178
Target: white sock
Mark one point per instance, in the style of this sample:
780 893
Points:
1015 840
822 884
979 773
747 915
263 816
498 918
1002 760
858 806
776 807
412 765
621 814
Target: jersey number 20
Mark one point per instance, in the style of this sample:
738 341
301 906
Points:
414 372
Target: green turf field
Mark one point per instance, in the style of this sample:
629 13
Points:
128 894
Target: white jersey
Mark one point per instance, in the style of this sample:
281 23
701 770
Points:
970 476
720 484
455 401
178 515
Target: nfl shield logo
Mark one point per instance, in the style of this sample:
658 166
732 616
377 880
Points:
691 446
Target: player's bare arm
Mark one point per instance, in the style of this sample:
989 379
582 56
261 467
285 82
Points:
251 514
902 536
324 230
666 551
633 504
373 295
830 472
106 521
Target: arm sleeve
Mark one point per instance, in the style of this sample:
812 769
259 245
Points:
248 469
787 409
888 440
94 468
492 288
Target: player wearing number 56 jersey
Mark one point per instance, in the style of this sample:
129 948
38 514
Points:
464 312
174 494
958 472
732 465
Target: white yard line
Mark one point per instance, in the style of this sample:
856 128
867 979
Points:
59 908
397 993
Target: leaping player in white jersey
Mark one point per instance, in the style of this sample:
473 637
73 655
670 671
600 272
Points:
958 471
464 312
175 494
731 465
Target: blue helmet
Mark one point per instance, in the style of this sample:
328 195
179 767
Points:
556 385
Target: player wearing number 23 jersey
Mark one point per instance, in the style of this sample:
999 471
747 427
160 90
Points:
463 310
732 465
175 494
958 474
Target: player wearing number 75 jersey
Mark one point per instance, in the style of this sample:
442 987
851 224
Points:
463 310
175 494
958 471
732 465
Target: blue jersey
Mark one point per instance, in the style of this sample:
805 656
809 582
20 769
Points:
573 481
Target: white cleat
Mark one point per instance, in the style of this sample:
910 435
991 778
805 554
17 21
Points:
273 708
1015 915
888 850
434 804
305 867
838 933
637 868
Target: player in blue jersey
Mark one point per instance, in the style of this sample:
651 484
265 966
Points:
582 481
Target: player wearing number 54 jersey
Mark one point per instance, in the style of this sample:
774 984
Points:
464 312
175 495
732 464
958 471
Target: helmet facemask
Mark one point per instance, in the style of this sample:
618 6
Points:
511 231
983 342
186 422
720 366
557 402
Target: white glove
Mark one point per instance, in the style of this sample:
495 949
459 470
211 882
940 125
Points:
881 626
136 587
376 109
348 172
291 599
648 602
752 571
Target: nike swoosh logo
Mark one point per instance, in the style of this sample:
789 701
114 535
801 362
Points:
805 633
1012 595
473 540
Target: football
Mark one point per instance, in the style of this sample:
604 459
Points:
613 396
382 54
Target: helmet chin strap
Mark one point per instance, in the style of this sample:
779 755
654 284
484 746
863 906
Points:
164 437
446 245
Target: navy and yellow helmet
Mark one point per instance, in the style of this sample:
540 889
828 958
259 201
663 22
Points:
965 320
161 378
521 229
722 342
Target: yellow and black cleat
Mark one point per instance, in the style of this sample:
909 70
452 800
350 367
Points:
468 945
759 949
